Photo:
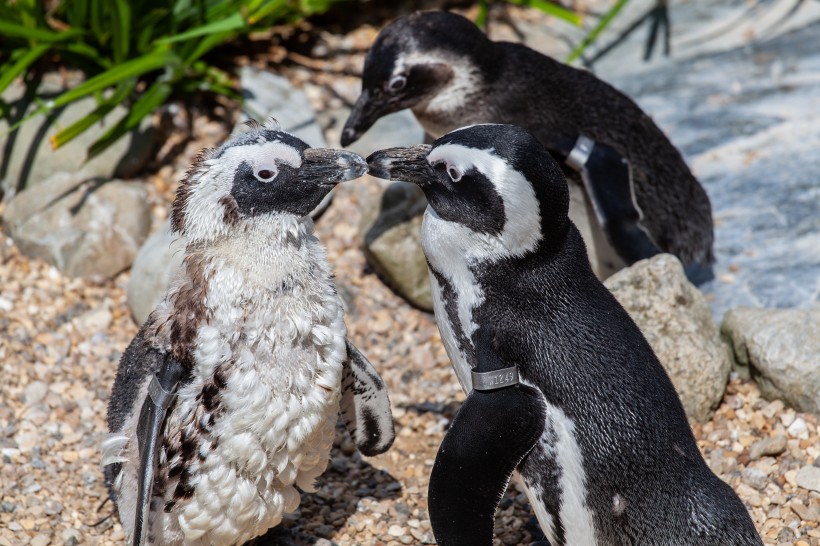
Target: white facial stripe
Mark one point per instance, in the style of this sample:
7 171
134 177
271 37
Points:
465 77
204 211
264 153
522 227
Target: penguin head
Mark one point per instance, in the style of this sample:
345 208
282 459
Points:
429 59
493 191
264 172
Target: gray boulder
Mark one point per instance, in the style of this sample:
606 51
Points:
678 324
82 227
392 242
152 272
269 96
781 350
28 158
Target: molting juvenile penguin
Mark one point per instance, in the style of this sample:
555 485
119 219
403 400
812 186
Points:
228 396
639 197
562 386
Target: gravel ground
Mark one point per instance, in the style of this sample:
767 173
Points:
59 346
60 341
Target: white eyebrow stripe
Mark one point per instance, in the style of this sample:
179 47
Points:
264 153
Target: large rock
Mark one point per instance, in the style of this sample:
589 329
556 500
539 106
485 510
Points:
153 269
678 324
392 243
781 349
269 96
28 158
82 227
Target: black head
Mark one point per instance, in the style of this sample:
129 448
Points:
262 172
493 190
413 59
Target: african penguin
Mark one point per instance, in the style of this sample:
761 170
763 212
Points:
562 386
227 398
632 194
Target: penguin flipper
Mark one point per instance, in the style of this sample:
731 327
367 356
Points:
365 406
149 438
607 177
489 437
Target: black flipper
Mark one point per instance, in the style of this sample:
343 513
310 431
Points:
149 438
365 406
608 181
491 434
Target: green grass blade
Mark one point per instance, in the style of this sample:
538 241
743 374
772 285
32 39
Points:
64 136
147 27
152 98
77 13
232 23
483 12
593 34
203 46
121 18
267 9
556 11
9 72
12 30
130 69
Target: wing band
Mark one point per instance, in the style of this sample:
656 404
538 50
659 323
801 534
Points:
579 155
490 381
160 397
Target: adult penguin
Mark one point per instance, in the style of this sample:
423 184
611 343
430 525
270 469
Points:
562 386
632 194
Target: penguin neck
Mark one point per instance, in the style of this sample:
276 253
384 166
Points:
267 255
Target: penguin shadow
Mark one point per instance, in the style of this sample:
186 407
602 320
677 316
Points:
322 514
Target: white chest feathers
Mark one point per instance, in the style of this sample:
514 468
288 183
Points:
258 416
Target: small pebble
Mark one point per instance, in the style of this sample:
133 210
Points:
774 445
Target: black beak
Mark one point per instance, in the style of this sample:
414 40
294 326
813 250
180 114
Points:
329 167
404 164
367 110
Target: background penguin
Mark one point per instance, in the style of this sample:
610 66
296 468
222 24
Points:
567 390
228 396
638 188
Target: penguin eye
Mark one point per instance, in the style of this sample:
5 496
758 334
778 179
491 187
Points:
266 173
396 83
455 174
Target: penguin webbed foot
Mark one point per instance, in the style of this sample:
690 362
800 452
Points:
365 405
489 437
160 395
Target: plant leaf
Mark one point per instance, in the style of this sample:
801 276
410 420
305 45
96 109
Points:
233 22
64 136
13 30
9 72
596 30
152 98
121 16
555 10
137 67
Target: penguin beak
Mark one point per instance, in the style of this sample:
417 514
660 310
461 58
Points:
329 167
367 110
405 164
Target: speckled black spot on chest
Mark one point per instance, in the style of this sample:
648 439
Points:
189 443
450 297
